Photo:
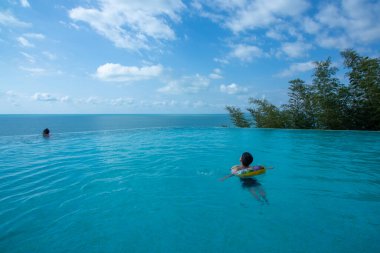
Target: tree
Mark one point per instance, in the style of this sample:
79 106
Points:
326 90
299 110
237 117
326 103
364 90
265 114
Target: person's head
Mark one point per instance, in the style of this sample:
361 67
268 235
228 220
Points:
46 132
246 159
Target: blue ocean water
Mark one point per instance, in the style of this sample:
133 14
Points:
31 124
157 189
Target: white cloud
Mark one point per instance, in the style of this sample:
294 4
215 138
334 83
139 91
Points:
49 55
161 103
29 57
7 19
24 3
12 97
121 101
295 49
37 36
24 42
187 84
118 73
273 34
297 68
11 94
340 42
241 15
246 52
44 97
134 24
232 88
199 104
65 99
216 74
310 25
221 61
34 71
93 100
345 24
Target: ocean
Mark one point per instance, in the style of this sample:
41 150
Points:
151 183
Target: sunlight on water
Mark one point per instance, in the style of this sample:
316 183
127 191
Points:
157 190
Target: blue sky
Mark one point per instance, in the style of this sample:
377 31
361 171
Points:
170 56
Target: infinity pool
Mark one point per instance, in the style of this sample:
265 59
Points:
158 190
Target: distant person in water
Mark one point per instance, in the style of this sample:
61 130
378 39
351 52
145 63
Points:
46 133
251 184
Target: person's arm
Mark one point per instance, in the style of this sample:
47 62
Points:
226 177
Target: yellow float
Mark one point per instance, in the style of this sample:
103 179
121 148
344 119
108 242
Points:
248 172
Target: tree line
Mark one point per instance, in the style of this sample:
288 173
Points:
325 103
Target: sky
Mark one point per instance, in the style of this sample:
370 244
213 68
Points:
170 56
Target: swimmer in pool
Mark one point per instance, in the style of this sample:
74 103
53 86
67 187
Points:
46 133
245 160
251 184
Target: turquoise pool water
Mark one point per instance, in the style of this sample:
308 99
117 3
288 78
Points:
157 190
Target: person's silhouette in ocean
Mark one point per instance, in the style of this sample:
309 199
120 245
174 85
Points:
46 133
251 184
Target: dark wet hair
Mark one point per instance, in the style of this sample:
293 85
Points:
46 131
246 159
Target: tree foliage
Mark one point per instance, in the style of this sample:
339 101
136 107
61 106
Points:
265 114
364 90
326 103
299 111
237 117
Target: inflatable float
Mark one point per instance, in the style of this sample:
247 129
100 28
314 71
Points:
248 172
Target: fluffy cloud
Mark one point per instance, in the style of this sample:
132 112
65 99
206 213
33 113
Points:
121 101
12 97
119 73
95 100
232 88
24 42
297 68
37 36
221 61
24 3
295 49
134 24
46 97
29 57
345 24
34 71
187 84
7 19
216 74
246 52
11 94
243 15
262 13
49 55
333 24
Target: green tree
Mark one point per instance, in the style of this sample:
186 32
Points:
237 117
364 90
299 111
326 101
266 115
